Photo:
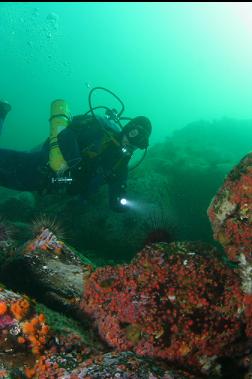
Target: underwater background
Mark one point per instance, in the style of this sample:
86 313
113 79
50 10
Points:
186 66
164 290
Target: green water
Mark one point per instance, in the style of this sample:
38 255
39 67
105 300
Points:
174 62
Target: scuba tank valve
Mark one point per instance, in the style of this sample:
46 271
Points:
116 116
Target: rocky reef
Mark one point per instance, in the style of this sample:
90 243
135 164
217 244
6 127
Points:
177 309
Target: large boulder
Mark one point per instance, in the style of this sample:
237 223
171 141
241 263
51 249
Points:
230 212
179 302
47 269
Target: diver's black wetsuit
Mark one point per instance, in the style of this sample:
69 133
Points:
92 149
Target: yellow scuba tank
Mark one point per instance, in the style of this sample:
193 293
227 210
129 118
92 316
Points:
59 119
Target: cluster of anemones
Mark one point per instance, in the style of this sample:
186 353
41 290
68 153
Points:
22 330
173 301
66 352
46 241
48 235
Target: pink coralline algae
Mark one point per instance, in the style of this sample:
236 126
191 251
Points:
230 212
174 301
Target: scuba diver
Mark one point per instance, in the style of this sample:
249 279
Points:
81 154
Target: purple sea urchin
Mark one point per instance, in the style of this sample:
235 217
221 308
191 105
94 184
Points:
159 228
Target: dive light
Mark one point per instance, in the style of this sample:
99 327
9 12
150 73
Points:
123 201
